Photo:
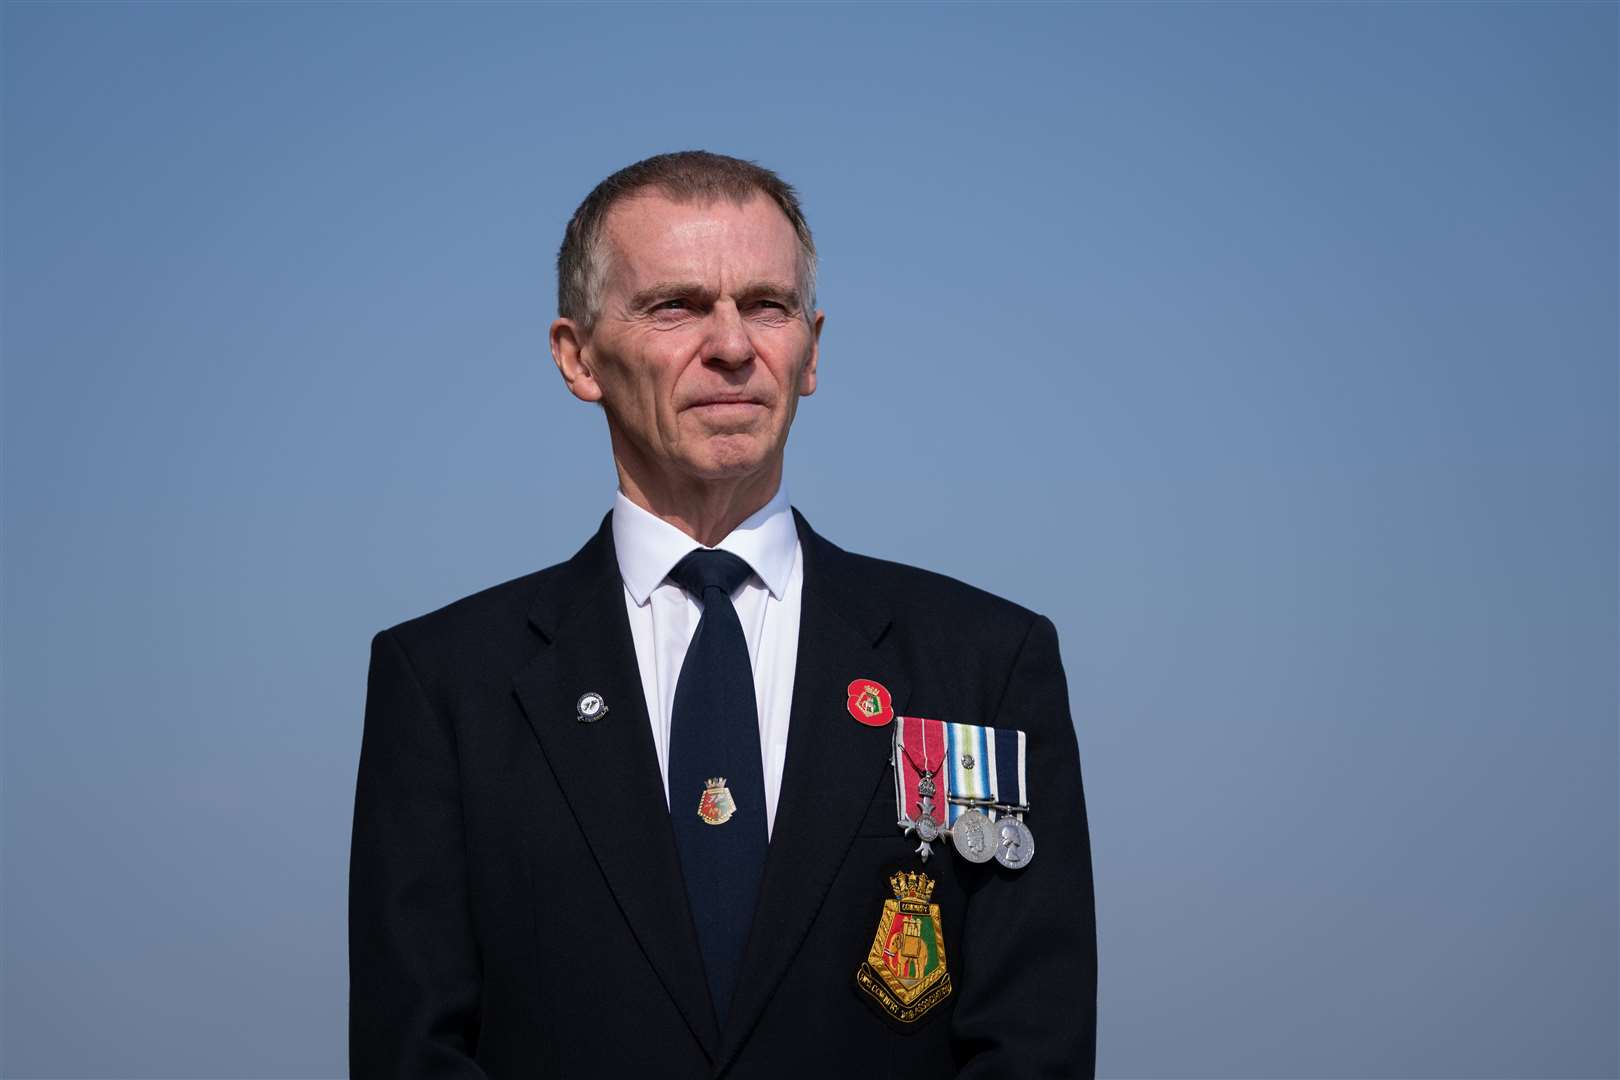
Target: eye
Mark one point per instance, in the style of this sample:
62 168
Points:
676 304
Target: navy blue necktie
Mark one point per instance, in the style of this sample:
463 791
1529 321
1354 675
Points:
716 782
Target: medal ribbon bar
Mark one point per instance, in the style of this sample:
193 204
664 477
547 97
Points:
972 768
1011 793
920 744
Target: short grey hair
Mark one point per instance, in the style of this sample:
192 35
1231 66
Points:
685 176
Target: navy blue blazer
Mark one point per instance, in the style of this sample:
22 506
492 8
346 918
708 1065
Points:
516 907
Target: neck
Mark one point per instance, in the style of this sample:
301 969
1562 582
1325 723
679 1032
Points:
705 510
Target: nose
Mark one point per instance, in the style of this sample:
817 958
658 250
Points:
728 345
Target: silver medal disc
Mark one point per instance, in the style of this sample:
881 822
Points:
927 828
1015 844
973 836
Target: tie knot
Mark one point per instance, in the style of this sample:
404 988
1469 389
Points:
710 569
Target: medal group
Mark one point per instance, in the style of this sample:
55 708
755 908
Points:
964 782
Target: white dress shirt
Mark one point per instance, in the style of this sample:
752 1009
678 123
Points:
663 618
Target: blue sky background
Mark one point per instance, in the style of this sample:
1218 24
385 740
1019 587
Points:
1269 349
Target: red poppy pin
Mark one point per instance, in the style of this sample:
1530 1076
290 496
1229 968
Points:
869 702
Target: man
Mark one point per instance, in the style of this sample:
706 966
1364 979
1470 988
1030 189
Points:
676 807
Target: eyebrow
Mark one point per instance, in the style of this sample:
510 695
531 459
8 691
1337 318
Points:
692 290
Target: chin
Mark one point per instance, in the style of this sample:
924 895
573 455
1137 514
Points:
726 457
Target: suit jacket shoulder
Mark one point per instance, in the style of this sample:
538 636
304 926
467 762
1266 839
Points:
967 639
489 631
916 592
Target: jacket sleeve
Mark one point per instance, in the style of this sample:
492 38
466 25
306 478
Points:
414 968
1028 983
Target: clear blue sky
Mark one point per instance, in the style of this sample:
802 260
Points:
1269 349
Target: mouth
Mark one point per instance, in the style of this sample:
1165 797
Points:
725 406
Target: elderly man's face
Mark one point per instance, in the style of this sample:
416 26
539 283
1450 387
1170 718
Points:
701 348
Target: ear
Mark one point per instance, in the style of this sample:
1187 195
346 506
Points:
807 377
570 349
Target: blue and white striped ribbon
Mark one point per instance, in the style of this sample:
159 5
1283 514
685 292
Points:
1010 770
973 765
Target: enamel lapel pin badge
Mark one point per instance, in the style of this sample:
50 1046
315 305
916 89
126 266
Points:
590 708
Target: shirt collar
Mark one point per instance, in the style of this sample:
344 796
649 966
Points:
648 547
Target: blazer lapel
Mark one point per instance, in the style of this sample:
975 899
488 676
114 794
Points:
608 770
834 766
